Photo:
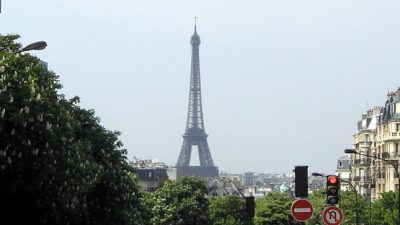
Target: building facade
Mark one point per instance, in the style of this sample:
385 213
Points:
364 141
150 174
343 171
387 145
377 140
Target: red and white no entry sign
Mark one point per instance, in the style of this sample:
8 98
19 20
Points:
302 210
332 215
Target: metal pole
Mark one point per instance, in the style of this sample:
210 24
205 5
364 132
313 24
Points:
398 197
397 173
398 189
370 203
357 206
357 209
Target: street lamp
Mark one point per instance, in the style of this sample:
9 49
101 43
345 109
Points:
39 45
396 168
355 192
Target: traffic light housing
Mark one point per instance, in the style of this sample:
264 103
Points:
301 181
332 190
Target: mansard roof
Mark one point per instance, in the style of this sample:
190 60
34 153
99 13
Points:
391 110
370 119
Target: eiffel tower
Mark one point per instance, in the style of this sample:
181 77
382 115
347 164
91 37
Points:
195 134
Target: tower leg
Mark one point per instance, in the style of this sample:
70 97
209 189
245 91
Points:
204 154
185 154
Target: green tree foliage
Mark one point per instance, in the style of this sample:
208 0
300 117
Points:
114 199
181 202
57 164
318 199
274 209
230 220
385 209
147 201
347 204
227 210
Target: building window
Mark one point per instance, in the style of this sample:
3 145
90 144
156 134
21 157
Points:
366 137
340 164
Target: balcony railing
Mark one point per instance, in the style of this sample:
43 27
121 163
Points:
381 175
368 185
390 135
361 178
362 162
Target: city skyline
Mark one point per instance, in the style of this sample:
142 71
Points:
284 83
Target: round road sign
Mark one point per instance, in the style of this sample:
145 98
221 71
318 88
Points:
332 215
302 210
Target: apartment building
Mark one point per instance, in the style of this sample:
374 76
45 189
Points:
362 172
387 145
377 140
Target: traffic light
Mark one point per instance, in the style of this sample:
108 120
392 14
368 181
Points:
301 181
332 190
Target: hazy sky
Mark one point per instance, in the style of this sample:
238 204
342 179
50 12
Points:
283 82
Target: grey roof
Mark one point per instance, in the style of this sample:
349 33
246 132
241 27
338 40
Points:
343 163
344 157
149 174
390 111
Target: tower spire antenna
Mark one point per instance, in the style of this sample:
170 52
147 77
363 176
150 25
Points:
195 23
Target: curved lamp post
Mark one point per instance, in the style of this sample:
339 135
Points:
39 45
355 192
396 168
357 205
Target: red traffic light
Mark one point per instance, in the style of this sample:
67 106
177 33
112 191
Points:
332 190
332 180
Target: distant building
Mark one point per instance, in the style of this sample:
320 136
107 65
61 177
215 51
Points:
224 186
149 179
257 191
249 179
284 188
315 183
343 171
150 174
172 173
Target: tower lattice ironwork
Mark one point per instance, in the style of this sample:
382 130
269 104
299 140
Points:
195 134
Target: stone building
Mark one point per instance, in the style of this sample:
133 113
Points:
150 174
377 141
343 171
387 145
364 142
